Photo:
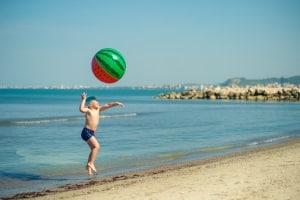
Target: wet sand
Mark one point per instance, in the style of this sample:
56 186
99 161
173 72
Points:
271 172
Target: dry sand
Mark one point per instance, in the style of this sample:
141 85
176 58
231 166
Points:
265 173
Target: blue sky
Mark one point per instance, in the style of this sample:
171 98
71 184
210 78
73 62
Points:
163 41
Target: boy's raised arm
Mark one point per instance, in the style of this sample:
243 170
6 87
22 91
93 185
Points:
112 104
82 107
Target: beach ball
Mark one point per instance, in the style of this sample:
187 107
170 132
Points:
108 65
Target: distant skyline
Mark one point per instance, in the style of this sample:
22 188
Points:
164 42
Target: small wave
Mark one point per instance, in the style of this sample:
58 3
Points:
119 115
276 139
36 121
267 141
251 144
45 121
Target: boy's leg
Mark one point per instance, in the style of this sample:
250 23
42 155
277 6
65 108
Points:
95 146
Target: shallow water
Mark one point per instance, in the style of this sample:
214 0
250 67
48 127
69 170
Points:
41 147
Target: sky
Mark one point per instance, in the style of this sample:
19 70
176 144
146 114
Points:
52 42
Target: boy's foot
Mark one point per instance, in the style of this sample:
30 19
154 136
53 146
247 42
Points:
89 170
92 168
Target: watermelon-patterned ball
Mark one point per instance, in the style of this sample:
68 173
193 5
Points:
108 65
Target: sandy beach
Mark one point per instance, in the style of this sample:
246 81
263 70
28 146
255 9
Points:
265 173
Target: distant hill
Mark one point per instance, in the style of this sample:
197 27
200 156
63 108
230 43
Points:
241 82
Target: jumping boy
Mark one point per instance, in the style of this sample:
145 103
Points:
92 117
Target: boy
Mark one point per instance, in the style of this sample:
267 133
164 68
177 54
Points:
92 116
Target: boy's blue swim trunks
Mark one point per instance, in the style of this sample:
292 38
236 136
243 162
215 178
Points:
86 134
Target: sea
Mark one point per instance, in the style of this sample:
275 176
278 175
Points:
41 146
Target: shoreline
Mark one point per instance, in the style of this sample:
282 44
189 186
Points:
149 178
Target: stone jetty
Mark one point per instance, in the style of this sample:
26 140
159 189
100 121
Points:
237 93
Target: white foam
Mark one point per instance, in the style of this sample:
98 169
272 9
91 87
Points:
40 121
119 115
276 139
64 119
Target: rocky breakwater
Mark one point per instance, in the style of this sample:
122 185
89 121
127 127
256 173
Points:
236 93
